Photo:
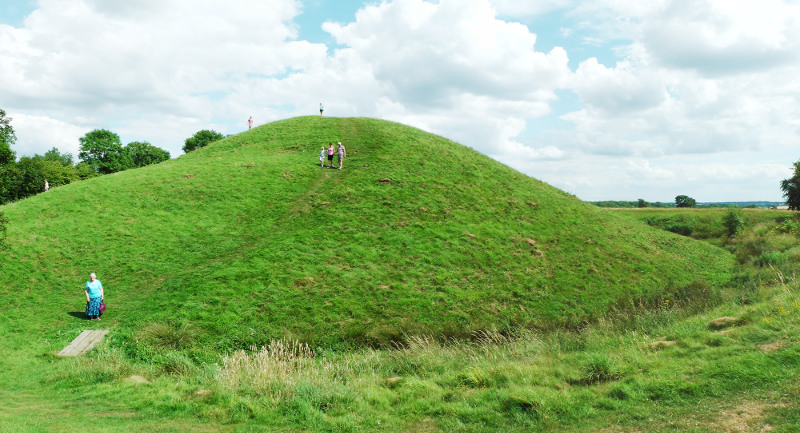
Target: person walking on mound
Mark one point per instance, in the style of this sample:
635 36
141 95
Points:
330 155
322 157
94 297
250 123
320 108
340 154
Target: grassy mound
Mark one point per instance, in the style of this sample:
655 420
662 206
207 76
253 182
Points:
249 239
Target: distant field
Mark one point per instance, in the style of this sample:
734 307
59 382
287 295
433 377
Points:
702 223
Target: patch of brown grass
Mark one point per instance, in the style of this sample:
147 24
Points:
744 418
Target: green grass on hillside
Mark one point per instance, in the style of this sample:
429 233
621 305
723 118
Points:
249 239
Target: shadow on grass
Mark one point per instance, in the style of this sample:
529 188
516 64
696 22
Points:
78 315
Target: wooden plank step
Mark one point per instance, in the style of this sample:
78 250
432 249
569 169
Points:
83 343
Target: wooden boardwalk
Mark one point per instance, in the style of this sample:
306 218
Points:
83 343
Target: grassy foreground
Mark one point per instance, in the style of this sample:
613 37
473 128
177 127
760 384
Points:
424 288
665 370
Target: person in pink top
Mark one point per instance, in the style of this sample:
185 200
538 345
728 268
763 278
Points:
250 123
330 155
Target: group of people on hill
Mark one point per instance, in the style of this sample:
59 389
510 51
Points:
340 152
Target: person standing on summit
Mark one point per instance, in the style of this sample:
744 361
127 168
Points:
250 123
320 108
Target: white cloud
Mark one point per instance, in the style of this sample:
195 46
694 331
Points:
43 133
516 8
620 90
429 54
717 37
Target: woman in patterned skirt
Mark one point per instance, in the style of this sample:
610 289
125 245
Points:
94 297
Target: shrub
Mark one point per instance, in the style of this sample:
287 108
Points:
733 221
3 230
598 369
771 258
680 224
167 335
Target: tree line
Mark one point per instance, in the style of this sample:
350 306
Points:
101 152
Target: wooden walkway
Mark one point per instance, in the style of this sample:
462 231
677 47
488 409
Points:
84 343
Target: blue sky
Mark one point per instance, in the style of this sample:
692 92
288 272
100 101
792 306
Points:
13 12
607 100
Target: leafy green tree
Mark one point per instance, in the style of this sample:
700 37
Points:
143 153
733 221
26 177
102 150
53 154
85 171
791 188
201 139
7 138
684 201
641 203
10 181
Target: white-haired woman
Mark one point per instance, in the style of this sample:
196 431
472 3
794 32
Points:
94 297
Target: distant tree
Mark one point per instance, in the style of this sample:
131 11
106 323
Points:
791 188
102 150
641 203
64 159
26 177
684 201
7 138
733 220
201 139
143 153
85 171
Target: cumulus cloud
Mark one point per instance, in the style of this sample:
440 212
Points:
44 133
716 37
618 91
429 54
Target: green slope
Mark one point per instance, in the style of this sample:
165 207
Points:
249 239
